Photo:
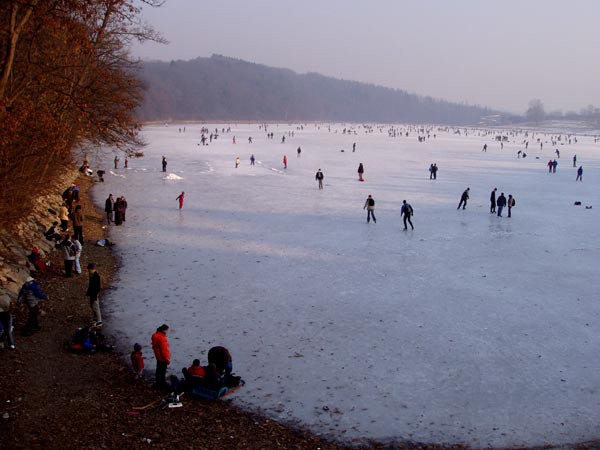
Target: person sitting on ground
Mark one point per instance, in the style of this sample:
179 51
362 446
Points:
221 358
51 233
194 375
36 259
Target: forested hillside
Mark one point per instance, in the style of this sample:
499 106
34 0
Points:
221 88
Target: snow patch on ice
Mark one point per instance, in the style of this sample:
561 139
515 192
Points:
173 177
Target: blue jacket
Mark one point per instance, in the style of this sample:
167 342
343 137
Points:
30 291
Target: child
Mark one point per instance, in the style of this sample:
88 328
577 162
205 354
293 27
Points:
137 362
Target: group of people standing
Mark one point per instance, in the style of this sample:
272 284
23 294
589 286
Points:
115 209
501 202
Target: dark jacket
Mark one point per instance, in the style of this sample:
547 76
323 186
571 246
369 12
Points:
109 205
319 175
465 195
94 285
502 200
493 197
406 210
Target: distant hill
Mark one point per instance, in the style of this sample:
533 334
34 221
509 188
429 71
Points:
222 88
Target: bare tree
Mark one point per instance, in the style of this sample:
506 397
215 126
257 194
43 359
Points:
535 112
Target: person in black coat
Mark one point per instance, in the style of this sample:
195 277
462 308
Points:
501 204
493 201
109 207
463 199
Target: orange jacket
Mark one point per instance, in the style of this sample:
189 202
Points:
197 371
160 345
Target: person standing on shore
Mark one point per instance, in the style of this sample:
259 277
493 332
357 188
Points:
109 207
6 322
77 218
370 207
78 249
162 353
63 215
94 287
69 251
180 198
31 293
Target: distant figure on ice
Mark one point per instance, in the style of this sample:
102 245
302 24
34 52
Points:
361 171
557 151
164 164
463 199
434 171
574 160
554 164
237 162
484 148
579 174
493 201
109 207
283 139
319 178
250 140
511 203
126 162
431 171
234 139
252 159
180 198
407 212
550 166
370 207
501 204
299 151
519 154
353 147
284 161
116 162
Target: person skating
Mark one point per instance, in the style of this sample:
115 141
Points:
164 164
319 178
361 171
31 294
463 198
180 199
237 162
407 212
550 166
579 174
501 204
574 160
431 171
510 203
554 165
109 208
162 353
370 207
493 201
353 147
484 148
94 288
284 160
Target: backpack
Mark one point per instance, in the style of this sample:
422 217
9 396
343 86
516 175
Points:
512 202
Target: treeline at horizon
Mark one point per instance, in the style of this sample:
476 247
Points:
222 88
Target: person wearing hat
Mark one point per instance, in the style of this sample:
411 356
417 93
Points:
30 293
137 362
94 287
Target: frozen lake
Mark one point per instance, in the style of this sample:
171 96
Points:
472 329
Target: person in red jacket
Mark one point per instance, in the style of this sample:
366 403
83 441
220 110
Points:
180 198
284 161
137 362
162 353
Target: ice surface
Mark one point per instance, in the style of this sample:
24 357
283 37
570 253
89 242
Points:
472 328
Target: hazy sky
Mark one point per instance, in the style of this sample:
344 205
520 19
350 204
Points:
498 53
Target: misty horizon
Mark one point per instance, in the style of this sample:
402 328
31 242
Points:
499 54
